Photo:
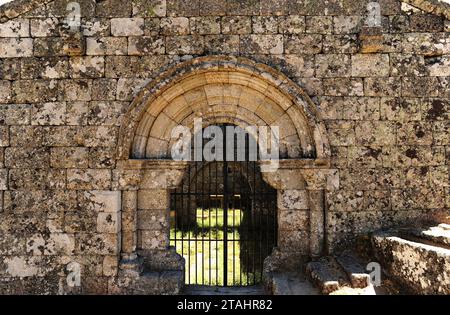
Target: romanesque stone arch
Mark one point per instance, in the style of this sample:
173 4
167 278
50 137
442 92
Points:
218 90
230 90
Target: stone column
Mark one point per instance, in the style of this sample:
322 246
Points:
129 210
153 219
293 221
316 198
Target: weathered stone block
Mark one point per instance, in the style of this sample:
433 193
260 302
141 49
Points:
114 8
419 86
97 244
236 25
293 200
415 133
347 24
375 133
294 241
127 89
106 113
100 201
343 87
441 132
265 25
438 66
76 90
96 27
292 24
333 65
25 157
345 200
100 136
102 157
15 28
153 199
383 86
36 179
205 25
428 22
262 44
407 65
110 266
182 7
243 7
153 239
337 44
35 91
45 27
99 46
9 69
5 91
153 220
44 68
49 46
87 67
364 157
55 244
149 8
401 109
16 47
76 113
48 114
370 65
108 222
40 201
294 219
213 7
319 24
153 45
127 26
88 179
221 44
303 44
4 137
175 25
104 89
15 114
69 157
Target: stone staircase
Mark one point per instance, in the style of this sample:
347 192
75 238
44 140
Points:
418 259
343 274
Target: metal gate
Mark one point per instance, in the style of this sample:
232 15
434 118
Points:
223 222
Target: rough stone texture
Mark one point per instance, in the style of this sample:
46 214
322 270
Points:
421 267
381 97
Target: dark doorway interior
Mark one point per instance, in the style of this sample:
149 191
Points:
223 222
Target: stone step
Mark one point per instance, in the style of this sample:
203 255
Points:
355 271
292 284
159 283
438 235
327 275
421 268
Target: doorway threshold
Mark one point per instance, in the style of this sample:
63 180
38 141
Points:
213 290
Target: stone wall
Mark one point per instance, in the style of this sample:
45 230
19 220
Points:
382 93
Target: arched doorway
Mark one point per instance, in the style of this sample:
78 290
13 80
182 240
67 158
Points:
219 90
223 218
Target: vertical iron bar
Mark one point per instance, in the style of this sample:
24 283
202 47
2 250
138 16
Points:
254 221
209 226
189 231
203 222
217 222
225 215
